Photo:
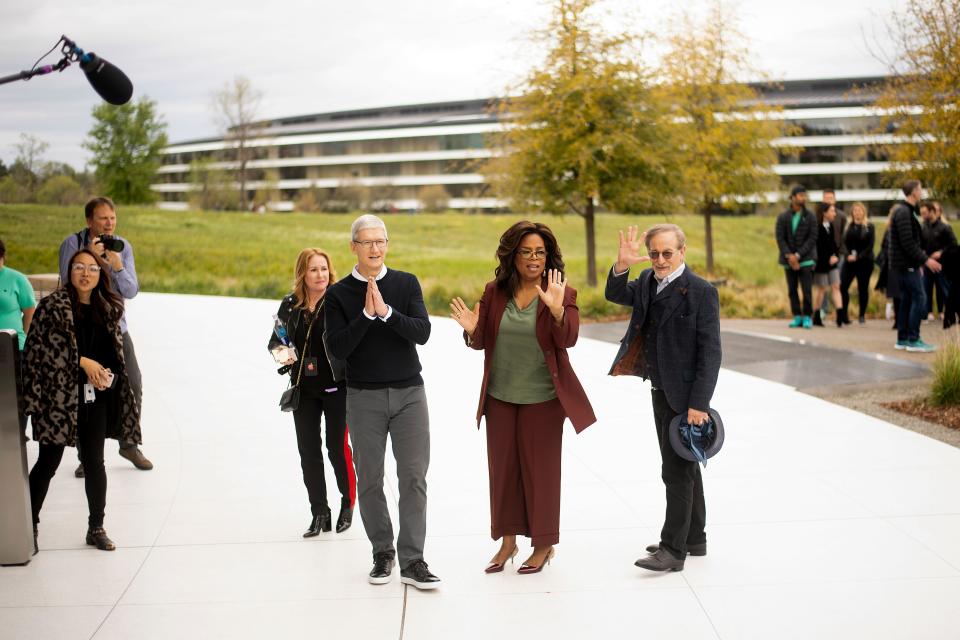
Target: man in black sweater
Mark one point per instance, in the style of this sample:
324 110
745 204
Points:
374 318
907 261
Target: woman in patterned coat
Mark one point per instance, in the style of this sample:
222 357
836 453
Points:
75 387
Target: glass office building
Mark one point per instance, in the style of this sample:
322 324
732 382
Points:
401 156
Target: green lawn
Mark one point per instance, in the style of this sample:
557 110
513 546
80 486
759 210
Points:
252 255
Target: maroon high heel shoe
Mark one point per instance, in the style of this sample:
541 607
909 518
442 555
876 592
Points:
497 567
529 568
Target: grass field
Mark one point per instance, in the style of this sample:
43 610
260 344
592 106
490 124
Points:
252 255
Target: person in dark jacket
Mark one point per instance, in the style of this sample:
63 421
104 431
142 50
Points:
673 340
524 323
885 282
796 234
826 273
76 388
323 392
907 260
839 233
858 263
937 236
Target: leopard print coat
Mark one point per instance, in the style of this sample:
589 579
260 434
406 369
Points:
51 377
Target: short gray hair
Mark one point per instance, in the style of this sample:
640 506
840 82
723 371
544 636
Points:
666 228
367 221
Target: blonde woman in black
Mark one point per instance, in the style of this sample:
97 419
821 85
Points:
323 392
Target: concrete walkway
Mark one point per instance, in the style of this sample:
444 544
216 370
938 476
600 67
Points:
823 522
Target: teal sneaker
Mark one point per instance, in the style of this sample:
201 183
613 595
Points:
901 344
807 322
919 346
797 322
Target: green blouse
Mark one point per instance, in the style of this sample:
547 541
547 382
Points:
519 373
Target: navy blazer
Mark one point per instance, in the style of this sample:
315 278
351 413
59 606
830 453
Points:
688 340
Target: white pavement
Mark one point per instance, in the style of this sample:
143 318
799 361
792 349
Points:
822 522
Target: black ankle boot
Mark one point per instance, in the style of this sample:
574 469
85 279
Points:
319 523
97 537
345 519
817 320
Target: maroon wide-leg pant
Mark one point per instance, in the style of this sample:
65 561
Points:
523 454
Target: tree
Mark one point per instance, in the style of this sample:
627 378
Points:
126 142
25 171
3 169
720 129
60 190
583 129
434 198
211 188
925 73
236 107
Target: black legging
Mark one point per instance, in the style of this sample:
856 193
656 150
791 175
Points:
91 432
861 270
309 443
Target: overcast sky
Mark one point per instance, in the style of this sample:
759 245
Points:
311 56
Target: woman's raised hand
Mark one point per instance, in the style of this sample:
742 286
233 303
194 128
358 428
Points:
464 316
553 296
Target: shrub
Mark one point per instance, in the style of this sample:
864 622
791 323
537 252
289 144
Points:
61 190
946 374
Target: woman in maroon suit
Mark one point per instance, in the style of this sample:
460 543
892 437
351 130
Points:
524 323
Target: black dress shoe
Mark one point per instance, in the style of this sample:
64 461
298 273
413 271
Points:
98 538
382 568
345 519
692 549
662 560
418 574
318 524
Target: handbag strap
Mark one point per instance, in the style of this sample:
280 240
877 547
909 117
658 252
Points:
306 342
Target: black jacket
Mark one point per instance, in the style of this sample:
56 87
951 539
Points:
860 238
937 236
291 315
804 241
905 250
688 340
826 248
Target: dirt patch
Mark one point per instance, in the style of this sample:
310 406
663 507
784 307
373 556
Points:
948 416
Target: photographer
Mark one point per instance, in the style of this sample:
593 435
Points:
99 239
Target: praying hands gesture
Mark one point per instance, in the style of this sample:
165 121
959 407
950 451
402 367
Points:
553 296
374 304
632 250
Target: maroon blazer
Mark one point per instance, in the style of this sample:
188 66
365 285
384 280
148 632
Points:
553 341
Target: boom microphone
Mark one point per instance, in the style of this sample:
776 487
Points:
107 80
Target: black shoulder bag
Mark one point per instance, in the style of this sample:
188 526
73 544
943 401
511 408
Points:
290 400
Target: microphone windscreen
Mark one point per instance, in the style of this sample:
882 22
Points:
112 84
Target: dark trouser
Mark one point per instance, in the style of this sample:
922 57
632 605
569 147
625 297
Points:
913 304
804 278
686 514
91 433
309 443
860 270
935 281
372 414
523 455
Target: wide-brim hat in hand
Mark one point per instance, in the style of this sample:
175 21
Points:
697 443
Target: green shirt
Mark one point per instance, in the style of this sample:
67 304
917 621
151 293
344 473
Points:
16 294
519 373
794 223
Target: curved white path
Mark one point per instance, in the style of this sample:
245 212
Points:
822 522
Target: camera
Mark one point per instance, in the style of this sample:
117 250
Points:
111 243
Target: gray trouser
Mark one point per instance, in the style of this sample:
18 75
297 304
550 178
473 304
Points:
134 377
371 415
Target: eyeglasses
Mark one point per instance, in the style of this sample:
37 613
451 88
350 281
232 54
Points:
530 254
79 267
366 244
666 255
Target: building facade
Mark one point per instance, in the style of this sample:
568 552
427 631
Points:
412 156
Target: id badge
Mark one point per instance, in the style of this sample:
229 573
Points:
89 393
310 367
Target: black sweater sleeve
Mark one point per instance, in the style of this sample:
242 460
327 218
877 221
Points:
415 324
342 333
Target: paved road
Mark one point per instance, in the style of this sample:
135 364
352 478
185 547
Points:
791 361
